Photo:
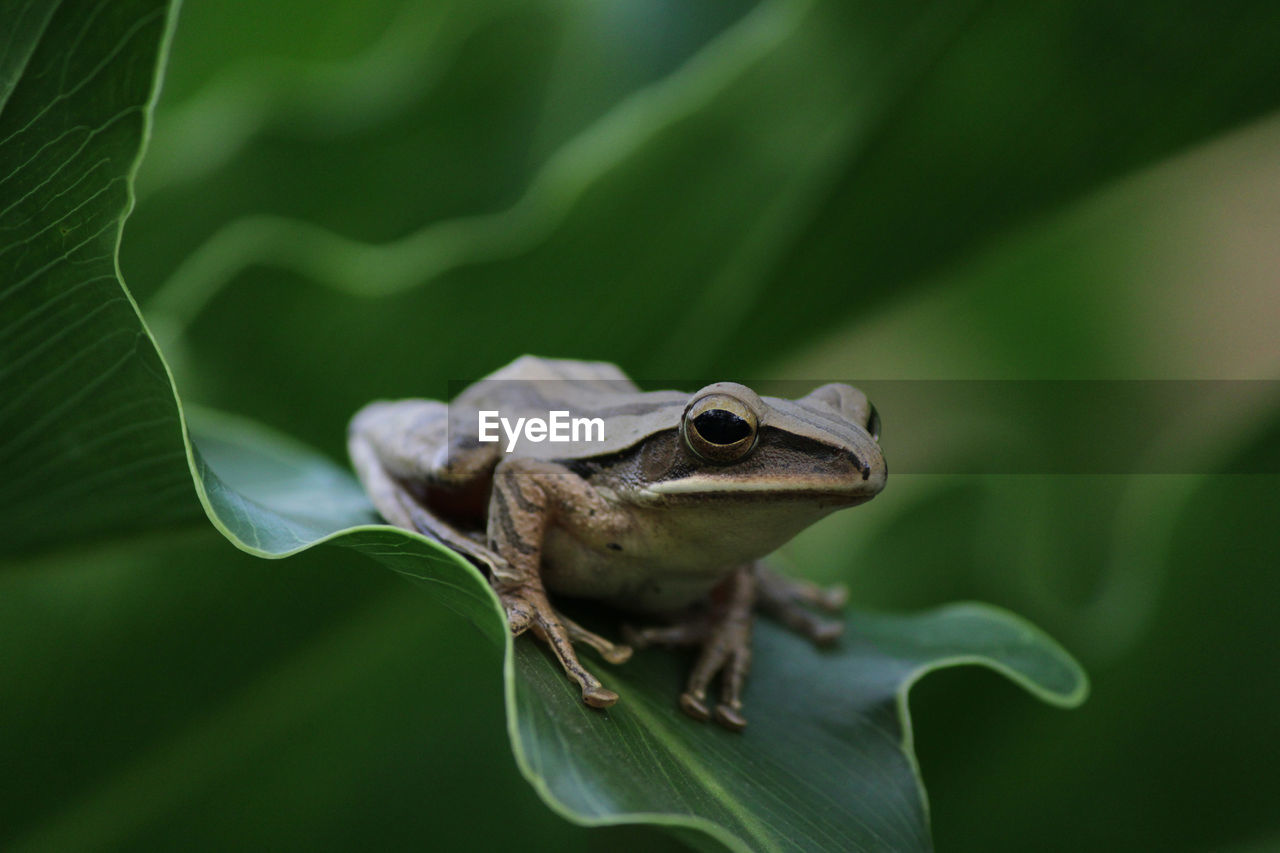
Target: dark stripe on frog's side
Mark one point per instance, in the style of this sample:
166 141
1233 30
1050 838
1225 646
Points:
813 449
586 468
663 457
511 486
777 448
508 527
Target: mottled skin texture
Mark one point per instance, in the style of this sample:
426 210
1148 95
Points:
667 516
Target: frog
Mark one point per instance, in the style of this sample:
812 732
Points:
665 511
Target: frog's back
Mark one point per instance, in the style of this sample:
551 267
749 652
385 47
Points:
532 387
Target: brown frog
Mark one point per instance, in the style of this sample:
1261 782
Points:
661 502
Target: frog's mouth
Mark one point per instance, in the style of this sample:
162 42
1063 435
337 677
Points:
848 493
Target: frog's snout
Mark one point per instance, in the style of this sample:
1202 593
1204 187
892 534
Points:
869 471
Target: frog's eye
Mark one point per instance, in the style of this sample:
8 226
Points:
873 423
719 428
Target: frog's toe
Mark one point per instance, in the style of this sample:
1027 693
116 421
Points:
694 706
730 718
819 631
785 598
599 697
691 633
614 653
775 589
833 598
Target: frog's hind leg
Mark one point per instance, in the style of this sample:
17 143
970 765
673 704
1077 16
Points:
400 507
784 599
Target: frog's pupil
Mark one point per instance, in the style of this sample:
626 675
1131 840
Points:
720 426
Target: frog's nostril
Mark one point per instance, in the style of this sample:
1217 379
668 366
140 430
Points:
862 467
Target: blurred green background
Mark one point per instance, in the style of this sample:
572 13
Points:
345 201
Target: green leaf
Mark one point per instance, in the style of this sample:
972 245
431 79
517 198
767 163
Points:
273 497
826 762
90 439
95 425
95 446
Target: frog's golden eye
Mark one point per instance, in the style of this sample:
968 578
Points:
719 428
873 423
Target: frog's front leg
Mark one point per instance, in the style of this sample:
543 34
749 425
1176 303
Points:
527 496
724 633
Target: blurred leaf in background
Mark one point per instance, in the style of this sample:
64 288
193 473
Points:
373 199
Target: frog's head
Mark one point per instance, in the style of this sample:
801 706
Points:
733 445
741 474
